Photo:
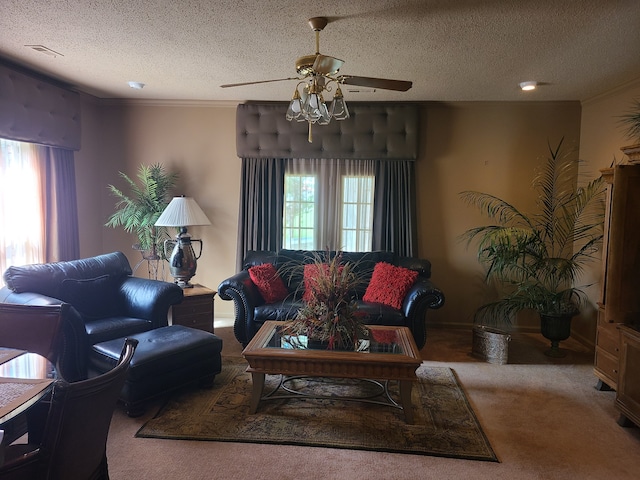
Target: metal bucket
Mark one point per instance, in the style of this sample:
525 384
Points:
490 345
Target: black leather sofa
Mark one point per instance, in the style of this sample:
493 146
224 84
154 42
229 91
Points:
251 311
106 302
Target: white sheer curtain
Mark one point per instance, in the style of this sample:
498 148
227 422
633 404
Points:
333 205
21 205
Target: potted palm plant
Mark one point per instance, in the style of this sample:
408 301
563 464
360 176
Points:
137 211
535 259
630 120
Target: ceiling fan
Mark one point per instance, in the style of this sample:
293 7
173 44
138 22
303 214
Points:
317 74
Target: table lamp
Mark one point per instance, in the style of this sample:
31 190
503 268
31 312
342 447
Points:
182 212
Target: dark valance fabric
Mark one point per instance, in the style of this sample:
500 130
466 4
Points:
375 131
37 111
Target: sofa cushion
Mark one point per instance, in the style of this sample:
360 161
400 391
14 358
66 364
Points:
284 310
389 284
46 278
268 281
380 314
92 297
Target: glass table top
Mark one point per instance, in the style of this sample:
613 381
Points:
381 340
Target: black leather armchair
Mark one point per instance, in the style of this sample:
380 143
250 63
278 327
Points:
251 311
106 302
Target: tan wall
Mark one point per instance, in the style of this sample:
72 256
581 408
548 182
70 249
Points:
197 142
489 147
492 147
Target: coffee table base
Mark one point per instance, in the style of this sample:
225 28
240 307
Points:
405 404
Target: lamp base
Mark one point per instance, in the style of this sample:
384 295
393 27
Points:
183 260
183 284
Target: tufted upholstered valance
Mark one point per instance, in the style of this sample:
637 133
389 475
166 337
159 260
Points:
37 111
376 131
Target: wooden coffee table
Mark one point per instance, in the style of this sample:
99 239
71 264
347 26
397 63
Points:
268 353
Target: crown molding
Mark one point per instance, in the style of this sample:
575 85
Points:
615 91
167 103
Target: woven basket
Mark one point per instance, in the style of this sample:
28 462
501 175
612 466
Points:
490 345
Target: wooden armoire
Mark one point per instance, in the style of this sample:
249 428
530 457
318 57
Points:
620 297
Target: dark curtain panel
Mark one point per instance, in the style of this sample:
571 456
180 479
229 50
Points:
61 209
394 217
261 206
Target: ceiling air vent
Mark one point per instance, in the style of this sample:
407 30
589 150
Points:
45 50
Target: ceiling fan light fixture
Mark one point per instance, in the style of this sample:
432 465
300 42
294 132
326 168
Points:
528 86
313 103
339 109
294 112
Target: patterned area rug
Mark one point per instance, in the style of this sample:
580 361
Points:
444 425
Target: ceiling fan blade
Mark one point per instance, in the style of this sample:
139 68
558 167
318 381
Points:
326 65
259 81
383 83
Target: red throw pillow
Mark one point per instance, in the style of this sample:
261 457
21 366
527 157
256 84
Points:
389 284
311 272
310 278
269 283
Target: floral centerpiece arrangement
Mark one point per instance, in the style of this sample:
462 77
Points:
329 315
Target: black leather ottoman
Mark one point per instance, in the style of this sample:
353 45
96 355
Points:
166 358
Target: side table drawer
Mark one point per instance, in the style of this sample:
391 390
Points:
196 309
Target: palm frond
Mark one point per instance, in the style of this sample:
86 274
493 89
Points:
536 259
138 211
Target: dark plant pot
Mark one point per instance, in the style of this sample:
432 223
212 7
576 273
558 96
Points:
556 328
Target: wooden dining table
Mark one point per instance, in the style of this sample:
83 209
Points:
25 378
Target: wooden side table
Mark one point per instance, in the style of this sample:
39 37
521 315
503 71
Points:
196 309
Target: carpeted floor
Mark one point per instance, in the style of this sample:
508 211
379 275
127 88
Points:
445 424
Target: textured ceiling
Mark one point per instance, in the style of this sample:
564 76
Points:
452 50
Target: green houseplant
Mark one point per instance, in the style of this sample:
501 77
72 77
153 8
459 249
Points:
630 121
328 317
137 211
535 259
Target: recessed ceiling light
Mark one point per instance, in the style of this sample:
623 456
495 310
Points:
526 86
136 85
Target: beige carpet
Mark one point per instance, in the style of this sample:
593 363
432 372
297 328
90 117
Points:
543 417
445 424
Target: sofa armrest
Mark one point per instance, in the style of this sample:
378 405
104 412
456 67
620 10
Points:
149 299
422 296
423 291
246 297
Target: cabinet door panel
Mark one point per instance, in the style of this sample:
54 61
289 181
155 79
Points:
622 302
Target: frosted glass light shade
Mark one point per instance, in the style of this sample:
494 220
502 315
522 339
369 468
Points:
182 212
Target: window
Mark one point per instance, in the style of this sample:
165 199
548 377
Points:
300 212
21 219
357 216
328 204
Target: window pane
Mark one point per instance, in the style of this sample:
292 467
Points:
299 212
357 216
21 231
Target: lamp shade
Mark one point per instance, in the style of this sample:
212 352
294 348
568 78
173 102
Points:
182 212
